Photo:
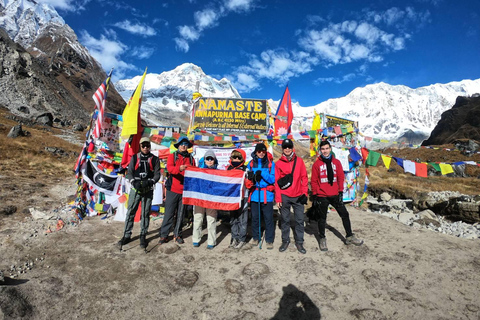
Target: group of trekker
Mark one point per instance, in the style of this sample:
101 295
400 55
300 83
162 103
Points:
284 182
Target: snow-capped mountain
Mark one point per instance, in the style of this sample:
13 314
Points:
390 112
383 111
24 20
56 74
167 96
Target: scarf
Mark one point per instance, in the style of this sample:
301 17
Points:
183 153
328 162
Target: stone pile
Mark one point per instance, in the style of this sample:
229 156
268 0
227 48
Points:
405 212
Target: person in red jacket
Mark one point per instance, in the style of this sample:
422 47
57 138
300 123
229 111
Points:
295 195
177 162
327 188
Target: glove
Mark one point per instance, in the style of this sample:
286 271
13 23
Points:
137 184
302 199
258 176
340 197
251 176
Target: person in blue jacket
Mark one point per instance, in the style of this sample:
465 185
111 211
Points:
262 175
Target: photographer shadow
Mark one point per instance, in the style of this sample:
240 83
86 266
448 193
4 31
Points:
296 304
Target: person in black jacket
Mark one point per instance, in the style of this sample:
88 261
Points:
143 173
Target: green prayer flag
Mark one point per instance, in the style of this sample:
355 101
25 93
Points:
372 158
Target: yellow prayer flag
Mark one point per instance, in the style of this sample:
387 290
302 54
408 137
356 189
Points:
130 114
445 168
386 161
364 195
316 121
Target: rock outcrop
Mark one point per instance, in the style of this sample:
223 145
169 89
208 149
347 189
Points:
460 122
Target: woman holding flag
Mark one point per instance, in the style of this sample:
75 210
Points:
262 174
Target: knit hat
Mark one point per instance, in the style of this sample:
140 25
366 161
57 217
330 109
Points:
260 147
210 153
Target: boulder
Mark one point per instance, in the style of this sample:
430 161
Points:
16 131
45 119
406 217
385 196
78 127
427 214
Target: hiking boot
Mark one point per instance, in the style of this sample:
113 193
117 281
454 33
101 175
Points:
179 240
143 242
353 240
323 244
162 240
196 244
123 241
240 245
284 246
300 248
254 243
269 245
210 247
233 243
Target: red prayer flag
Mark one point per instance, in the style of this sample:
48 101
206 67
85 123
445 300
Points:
421 170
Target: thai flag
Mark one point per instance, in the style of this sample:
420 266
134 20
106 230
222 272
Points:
214 189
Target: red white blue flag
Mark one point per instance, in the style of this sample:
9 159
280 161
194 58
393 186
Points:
284 116
100 97
213 189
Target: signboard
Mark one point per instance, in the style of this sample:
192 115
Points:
222 154
231 115
331 121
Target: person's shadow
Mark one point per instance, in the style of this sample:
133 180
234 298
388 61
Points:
296 304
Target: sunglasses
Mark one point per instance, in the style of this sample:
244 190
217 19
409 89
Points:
184 144
236 158
263 151
145 146
209 159
287 147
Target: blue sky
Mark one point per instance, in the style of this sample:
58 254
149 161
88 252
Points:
323 49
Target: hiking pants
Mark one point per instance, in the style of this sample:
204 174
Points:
298 210
342 212
238 222
267 210
134 199
198 224
173 204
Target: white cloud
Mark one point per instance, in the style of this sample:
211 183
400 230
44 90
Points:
239 5
181 44
142 52
67 5
188 33
206 19
345 78
107 52
275 65
136 28
209 18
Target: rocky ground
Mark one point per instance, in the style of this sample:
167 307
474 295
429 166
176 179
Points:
77 272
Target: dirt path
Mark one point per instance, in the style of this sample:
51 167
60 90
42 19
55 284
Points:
400 273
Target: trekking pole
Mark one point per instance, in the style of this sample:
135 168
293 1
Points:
259 218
